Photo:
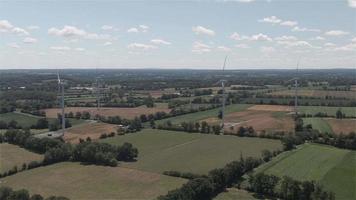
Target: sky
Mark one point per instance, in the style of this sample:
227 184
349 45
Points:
253 34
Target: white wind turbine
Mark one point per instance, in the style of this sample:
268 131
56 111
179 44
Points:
223 99
61 90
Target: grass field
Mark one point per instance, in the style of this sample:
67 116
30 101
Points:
92 130
24 120
331 166
233 194
77 181
204 114
11 155
128 113
161 150
317 93
319 124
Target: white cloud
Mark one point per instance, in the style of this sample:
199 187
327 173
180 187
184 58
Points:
140 46
60 48
30 40
74 32
79 49
267 49
348 47
352 3
107 27
285 38
132 30
223 48
256 37
317 38
299 29
13 45
336 33
271 19
67 31
329 44
33 27
289 23
242 1
299 43
107 43
144 28
202 30
353 39
7 27
242 46
160 41
199 47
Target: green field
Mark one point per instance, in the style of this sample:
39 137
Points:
331 166
319 124
77 181
27 120
11 156
191 117
233 194
349 111
161 150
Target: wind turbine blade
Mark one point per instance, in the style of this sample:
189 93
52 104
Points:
224 63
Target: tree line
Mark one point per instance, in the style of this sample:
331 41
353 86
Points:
7 193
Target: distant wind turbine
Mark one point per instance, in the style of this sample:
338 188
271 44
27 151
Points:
223 99
61 90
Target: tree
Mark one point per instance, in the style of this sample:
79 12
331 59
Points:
266 155
339 114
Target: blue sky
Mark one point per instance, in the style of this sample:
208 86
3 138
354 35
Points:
178 34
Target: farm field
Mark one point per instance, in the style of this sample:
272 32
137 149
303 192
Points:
319 124
259 120
77 181
204 114
234 193
161 150
342 125
12 155
325 164
128 113
316 93
92 130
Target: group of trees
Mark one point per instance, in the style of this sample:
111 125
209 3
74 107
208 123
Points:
287 188
217 180
7 193
191 127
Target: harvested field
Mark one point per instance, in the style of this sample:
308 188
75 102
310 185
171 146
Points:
342 125
12 155
92 130
161 150
128 113
259 120
77 181
275 108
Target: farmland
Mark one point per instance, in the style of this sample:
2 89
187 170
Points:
128 113
233 194
11 156
161 150
92 130
317 93
342 125
319 124
77 181
325 164
193 117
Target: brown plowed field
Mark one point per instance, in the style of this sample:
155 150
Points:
342 125
92 130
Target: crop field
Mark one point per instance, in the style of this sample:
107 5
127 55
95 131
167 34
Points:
92 130
77 181
342 125
24 120
161 150
234 193
319 124
204 114
128 113
12 155
259 120
317 93
334 168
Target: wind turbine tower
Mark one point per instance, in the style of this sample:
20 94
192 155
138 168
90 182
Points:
296 91
223 99
61 90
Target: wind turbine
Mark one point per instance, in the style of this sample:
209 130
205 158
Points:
61 90
223 99
295 79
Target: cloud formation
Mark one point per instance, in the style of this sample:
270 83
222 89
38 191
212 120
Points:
199 47
140 46
7 27
256 37
200 30
74 32
160 41
30 40
336 33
